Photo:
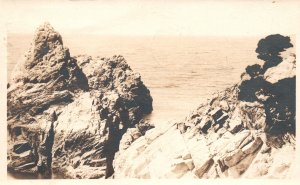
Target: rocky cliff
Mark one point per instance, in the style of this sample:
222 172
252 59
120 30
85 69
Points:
246 131
67 114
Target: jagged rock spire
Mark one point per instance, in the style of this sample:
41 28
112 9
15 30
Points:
48 61
46 40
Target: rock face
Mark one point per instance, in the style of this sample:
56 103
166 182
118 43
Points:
246 131
67 114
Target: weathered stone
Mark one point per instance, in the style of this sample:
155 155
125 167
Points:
21 147
97 162
237 170
233 157
213 99
286 69
265 149
246 141
216 113
235 125
253 114
238 140
203 122
224 105
222 119
129 137
221 174
179 167
22 158
186 156
222 165
221 132
211 173
206 125
197 120
200 170
252 147
76 162
140 144
182 127
190 164
151 135
25 166
216 127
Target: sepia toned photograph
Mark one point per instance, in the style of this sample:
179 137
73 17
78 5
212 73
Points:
150 89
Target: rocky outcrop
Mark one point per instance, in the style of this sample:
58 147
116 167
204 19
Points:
81 117
67 114
246 131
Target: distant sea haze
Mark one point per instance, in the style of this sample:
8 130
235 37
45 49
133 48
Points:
180 72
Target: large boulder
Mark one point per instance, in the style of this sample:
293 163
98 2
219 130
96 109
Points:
71 112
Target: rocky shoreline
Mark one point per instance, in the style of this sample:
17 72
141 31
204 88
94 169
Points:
246 131
82 117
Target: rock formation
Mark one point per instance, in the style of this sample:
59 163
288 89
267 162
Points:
246 131
67 114
82 117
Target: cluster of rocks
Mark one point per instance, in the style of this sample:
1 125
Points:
82 117
247 130
67 114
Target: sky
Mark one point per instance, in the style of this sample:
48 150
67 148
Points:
154 17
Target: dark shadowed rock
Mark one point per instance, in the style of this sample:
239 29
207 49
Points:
253 70
21 147
268 49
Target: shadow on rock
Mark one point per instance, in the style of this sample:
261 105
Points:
268 49
278 98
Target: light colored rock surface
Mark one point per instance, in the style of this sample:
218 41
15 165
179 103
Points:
222 154
286 69
226 137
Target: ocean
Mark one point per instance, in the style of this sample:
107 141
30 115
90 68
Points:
181 72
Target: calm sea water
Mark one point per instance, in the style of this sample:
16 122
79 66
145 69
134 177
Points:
179 71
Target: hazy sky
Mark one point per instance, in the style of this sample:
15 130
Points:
154 17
